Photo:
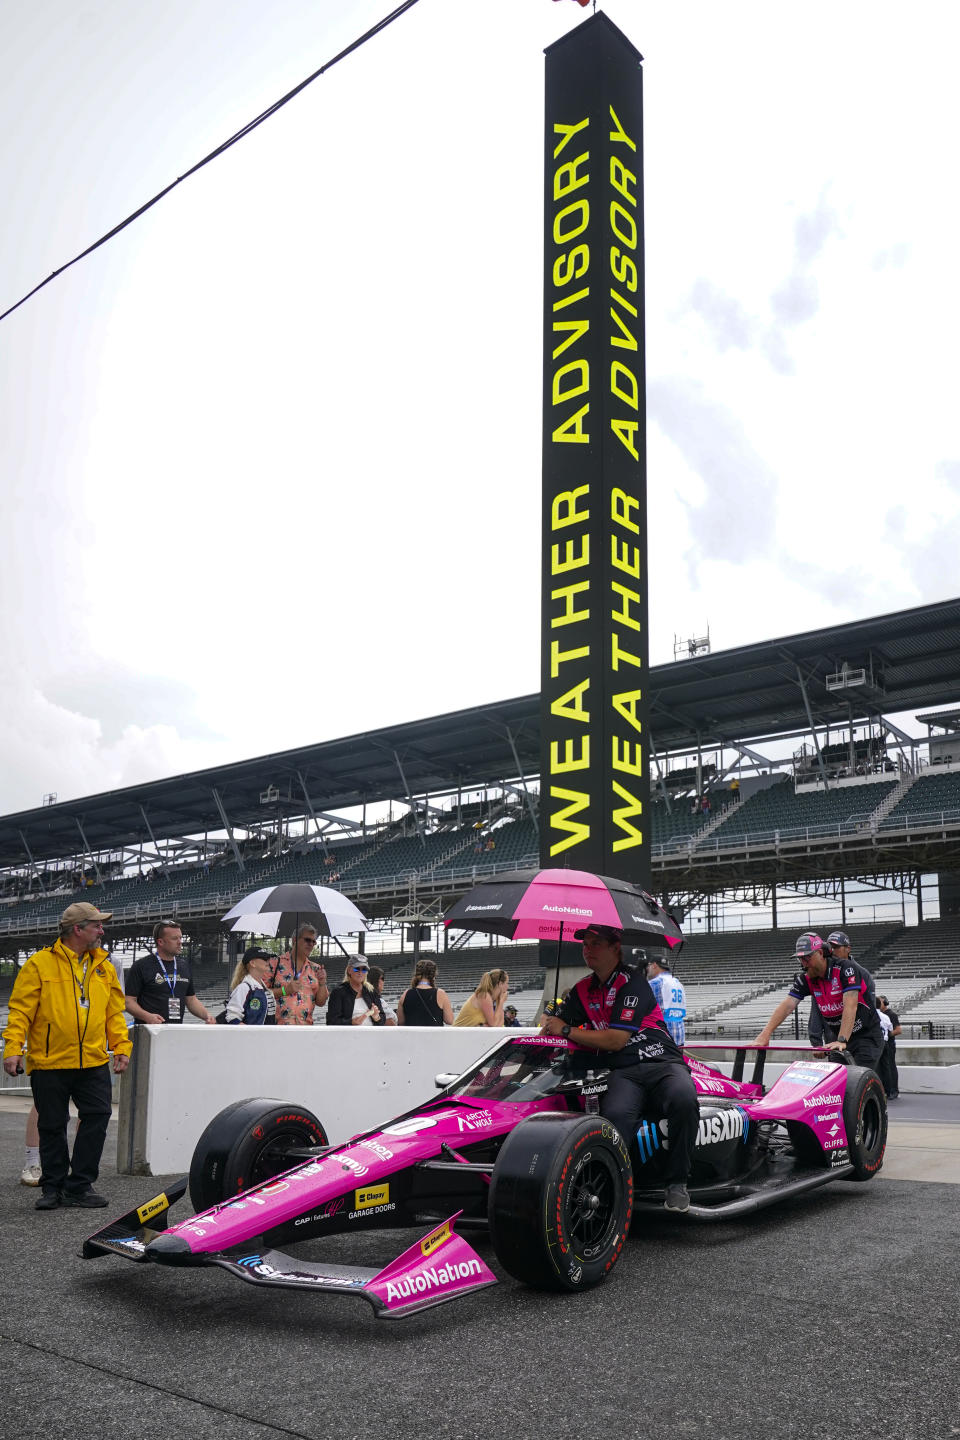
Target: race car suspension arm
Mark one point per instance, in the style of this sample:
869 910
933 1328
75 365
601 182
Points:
458 1162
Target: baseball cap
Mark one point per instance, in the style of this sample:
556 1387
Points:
806 944
599 932
80 912
838 937
509 1009
257 952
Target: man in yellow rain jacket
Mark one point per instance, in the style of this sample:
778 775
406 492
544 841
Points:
67 1008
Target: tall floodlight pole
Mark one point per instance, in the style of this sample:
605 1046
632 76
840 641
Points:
594 805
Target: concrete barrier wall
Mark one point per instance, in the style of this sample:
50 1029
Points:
181 1076
352 1079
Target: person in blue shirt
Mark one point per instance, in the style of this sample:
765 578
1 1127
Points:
670 994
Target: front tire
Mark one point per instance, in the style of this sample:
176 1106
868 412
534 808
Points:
865 1121
248 1143
560 1201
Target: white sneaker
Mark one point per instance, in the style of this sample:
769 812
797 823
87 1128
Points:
30 1175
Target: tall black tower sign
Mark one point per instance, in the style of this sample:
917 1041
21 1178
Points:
594 652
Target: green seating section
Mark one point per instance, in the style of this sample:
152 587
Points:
780 809
932 795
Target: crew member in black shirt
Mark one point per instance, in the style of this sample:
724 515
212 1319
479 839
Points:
158 985
614 1011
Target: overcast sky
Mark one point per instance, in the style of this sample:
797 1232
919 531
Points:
271 458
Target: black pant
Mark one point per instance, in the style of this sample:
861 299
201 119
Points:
650 1090
890 1050
866 1049
886 1069
90 1092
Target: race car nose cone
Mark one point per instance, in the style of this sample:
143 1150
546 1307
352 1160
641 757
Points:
170 1250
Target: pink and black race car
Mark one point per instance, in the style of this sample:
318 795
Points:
510 1147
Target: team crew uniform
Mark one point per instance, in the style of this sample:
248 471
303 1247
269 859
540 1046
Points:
648 1076
865 1043
160 987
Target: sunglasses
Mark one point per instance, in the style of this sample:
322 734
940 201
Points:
360 969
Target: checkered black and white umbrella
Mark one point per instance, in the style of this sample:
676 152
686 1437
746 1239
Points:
282 909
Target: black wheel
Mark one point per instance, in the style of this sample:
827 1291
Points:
865 1120
560 1199
247 1143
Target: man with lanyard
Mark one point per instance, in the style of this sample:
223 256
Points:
670 994
66 1009
841 991
614 1011
159 985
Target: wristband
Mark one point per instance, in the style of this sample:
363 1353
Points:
841 1040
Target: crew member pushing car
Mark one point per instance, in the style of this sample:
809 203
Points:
614 1011
842 992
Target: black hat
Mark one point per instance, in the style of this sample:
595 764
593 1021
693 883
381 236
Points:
602 932
838 937
257 952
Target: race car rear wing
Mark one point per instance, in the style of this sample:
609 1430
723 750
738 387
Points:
741 1048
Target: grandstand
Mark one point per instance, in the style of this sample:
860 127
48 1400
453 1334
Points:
406 818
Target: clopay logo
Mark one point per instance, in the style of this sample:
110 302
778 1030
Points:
374 1195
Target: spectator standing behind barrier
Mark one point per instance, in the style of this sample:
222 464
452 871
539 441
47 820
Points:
485 1005
671 996
297 982
159 985
354 1002
249 1002
890 1048
377 979
31 1172
425 1004
66 1007
840 989
510 1021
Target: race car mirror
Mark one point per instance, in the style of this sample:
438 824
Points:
443 1080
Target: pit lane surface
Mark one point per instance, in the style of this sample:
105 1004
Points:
830 1314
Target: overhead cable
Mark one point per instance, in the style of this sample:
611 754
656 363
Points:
246 129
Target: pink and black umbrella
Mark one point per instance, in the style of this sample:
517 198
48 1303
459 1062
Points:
553 904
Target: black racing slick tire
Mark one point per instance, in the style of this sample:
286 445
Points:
560 1199
865 1121
248 1143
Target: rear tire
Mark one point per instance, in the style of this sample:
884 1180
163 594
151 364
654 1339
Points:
865 1120
560 1200
246 1144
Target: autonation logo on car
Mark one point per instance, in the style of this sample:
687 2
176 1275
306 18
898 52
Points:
812 1102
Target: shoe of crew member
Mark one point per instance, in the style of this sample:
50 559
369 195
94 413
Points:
83 1199
676 1198
49 1200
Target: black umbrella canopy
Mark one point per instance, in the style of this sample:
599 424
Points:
282 909
552 904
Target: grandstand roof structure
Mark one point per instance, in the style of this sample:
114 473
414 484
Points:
886 665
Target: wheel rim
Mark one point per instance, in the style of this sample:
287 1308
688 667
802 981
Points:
271 1160
871 1125
592 1205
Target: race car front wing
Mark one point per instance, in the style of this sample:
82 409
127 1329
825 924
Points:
440 1266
